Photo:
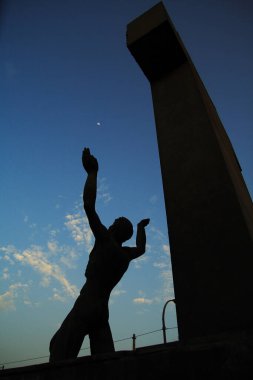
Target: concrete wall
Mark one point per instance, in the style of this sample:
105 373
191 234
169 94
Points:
209 210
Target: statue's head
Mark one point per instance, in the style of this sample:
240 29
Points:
121 229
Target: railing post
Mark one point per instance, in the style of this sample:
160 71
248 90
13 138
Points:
163 320
134 339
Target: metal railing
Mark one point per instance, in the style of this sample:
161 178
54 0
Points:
133 338
163 319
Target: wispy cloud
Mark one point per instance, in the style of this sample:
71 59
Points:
140 261
160 265
166 249
156 233
143 300
153 199
39 260
49 261
5 274
103 193
117 292
7 253
52 246
57 296
7 299
80 230
53 261
159 253
168 287
70 257
53 232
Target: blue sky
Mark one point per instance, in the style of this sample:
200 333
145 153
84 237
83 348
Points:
68 81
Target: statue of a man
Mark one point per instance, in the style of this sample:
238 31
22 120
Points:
107 264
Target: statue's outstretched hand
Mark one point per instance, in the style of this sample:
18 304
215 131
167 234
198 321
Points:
144 222
90 163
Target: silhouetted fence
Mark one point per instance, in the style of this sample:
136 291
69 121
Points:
133 338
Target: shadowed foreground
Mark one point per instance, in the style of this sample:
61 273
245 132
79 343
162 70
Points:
227 357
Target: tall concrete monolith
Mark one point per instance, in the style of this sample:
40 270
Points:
209 209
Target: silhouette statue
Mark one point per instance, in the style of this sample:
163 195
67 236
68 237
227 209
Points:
108 261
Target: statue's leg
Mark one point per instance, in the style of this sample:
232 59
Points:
67 341
101 340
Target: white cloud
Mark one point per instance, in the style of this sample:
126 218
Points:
69 258
27 302
47 261
74 225
166 249
103 193
168 288
148 247
160 265
53 233
159 255
36 258
156 233
50 261
45 282
7 258
80 230
7 299
142 300
7 252
141 260
57 296
52 246
5 274
117 292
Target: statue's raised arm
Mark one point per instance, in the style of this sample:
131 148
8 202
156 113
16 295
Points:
90 165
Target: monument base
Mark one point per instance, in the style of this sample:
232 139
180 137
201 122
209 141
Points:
228 356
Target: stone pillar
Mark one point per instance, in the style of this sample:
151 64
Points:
209 210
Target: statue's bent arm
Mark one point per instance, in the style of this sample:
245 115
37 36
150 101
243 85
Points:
140 248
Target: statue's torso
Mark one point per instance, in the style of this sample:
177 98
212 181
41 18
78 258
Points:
107 264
